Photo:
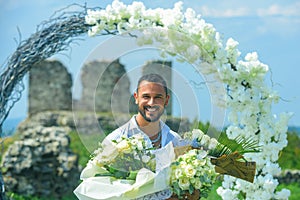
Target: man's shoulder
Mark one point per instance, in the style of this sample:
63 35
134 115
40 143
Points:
175 134
166 128
119 132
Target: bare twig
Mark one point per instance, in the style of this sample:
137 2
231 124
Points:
52 36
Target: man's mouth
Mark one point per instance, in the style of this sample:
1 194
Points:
151 108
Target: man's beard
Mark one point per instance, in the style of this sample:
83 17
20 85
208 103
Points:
148 119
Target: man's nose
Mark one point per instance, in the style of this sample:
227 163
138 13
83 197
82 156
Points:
151 101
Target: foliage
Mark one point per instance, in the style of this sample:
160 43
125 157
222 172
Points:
203 126
223 145
6 142
289 157
239 144
79 148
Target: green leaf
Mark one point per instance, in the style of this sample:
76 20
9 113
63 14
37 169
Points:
176 188
132 175
191 189
239 144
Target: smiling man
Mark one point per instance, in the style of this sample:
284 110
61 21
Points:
151 97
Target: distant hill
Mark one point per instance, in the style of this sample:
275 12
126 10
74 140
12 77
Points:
294 129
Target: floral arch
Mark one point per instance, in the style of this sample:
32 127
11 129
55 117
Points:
244 93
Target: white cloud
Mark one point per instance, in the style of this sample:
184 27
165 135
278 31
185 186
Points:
283 20
283 26
244 10
218 12
280 10
270 18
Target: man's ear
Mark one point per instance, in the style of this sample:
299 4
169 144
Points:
167 100
135 95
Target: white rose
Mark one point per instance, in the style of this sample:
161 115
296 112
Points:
283 194
198 184
140 145
197 133
204 140
145 158
178 173
123 146
190 171
184 183
213 143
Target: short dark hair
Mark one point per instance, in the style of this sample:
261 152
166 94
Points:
154 78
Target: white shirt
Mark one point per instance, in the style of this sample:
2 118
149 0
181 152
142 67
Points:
131 128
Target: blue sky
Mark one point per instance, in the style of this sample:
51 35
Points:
271 28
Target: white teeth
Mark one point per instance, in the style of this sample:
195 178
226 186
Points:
151 109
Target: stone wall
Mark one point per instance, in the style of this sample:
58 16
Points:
49 87
105 87
41 163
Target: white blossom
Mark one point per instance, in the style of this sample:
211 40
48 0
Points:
213 142
283 194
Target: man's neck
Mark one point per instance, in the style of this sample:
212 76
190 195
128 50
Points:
150 128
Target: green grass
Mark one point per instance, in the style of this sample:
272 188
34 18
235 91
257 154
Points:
213 194
84 145
6 142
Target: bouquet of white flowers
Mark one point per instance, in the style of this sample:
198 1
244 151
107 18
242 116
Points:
196 168
192 173
128 169
124 157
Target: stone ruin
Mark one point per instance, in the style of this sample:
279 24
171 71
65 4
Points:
105 85
42 158
49 87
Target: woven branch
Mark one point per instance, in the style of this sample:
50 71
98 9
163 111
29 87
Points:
52 36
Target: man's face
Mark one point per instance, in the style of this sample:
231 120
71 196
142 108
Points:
151 99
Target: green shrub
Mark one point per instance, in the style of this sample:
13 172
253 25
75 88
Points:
84 150
289 157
